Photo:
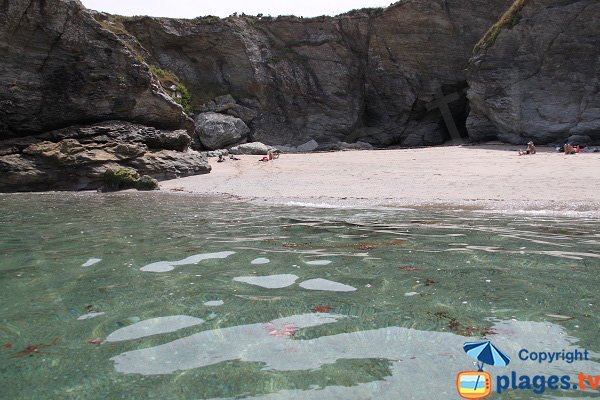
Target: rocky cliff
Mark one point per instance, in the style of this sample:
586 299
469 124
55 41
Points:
60 67
536 74
394 76
366 76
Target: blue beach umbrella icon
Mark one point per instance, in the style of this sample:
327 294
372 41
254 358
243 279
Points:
486 353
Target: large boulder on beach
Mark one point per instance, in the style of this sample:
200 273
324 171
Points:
254 148
307 147
217 131
579 139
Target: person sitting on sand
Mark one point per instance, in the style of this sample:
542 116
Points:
569 149
530 149
221 158
273 154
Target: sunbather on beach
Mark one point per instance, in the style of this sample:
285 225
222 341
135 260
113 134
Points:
530 149
569 149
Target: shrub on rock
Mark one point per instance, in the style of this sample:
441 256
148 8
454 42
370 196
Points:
127 178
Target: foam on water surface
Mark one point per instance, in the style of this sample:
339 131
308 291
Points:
269 281
429 360
90 315
90 262
318 262
154 326
166 266
326 285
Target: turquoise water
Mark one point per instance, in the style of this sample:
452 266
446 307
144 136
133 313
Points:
158 296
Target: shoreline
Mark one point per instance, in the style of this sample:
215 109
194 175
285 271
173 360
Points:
482 177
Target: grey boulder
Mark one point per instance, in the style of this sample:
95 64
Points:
307 147
255 148
216 131
579 139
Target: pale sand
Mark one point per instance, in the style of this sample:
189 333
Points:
486 177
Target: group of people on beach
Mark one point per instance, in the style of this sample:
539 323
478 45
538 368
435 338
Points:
271 155
231 157
567 148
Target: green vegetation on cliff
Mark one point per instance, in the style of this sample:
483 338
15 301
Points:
181 95
508 20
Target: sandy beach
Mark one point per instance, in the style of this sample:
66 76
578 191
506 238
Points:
474 177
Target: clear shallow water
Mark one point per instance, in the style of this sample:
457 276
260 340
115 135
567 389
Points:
231 300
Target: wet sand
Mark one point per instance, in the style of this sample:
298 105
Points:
474 177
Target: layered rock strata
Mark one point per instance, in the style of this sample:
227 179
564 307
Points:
76 158
536 76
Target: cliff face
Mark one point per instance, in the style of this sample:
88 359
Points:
363 77
369 76
59 67
540 78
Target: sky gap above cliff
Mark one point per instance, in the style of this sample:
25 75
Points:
191 8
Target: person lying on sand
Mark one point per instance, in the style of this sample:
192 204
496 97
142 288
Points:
271 155
530 149
234 158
